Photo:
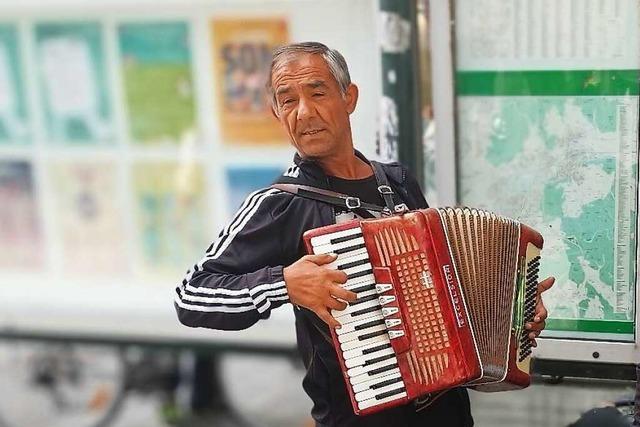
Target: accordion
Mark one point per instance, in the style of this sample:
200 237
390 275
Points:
442 299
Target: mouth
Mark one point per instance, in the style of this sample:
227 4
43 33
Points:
312 131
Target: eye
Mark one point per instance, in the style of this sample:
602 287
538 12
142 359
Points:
318 94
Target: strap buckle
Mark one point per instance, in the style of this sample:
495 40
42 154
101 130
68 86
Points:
385 189
401 208
352 202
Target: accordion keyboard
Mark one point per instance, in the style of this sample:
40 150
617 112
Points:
371 363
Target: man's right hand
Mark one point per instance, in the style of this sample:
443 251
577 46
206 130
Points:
312 285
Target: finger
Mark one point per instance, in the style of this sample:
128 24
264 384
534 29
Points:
546 284
533 335
335 304
534 343
541 313
321 259
327 318
535 326
343 294
338 276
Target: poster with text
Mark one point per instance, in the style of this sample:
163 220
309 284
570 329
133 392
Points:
242 57
89 219
171 217
21 242
158 83
242 181
13 109
72 71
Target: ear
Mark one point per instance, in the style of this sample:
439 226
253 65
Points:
351 97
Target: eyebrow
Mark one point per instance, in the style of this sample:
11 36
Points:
282 89
316 84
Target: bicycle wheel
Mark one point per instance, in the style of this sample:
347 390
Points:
59 385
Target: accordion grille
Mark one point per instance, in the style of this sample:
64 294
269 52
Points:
484 247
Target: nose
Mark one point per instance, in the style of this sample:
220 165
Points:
306 108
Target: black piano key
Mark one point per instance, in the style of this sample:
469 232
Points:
384 383
365 311
359 274
345 238
379 359
364 299
348 249
353 264
371 335
363 288
376 348
369 324
389 393
382 369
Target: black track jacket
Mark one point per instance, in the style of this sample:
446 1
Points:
239 280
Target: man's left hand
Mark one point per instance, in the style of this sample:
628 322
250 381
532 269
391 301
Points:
541 312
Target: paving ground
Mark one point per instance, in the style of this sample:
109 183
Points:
267 392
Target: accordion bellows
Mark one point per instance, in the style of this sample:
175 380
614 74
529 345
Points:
443 297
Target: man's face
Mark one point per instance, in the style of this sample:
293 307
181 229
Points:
311 108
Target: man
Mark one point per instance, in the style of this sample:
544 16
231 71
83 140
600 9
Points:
258 261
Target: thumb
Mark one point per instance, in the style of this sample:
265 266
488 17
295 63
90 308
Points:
321 259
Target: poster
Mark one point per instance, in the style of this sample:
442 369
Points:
242 181
158 83
13 110
171 216
21 242
72 72
547 118
88 218
242 58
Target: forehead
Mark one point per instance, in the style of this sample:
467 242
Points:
300 69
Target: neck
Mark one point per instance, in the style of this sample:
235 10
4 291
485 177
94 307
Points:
345 165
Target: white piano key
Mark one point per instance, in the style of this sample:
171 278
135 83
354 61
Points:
371 394
363 368
373 402
361 373
358 282
357 352
329 248
360 386
361 343
350 327
360 360
326 238
356 334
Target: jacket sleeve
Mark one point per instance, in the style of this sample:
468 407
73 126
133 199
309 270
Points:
239 280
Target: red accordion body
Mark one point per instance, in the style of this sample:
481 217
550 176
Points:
443 296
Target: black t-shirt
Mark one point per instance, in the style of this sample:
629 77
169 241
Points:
366 189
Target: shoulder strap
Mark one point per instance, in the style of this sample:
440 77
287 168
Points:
350 203
385 189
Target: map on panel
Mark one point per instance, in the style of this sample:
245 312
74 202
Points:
566 165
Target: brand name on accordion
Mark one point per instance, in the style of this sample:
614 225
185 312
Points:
453 293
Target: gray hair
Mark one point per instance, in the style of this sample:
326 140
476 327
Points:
334 60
